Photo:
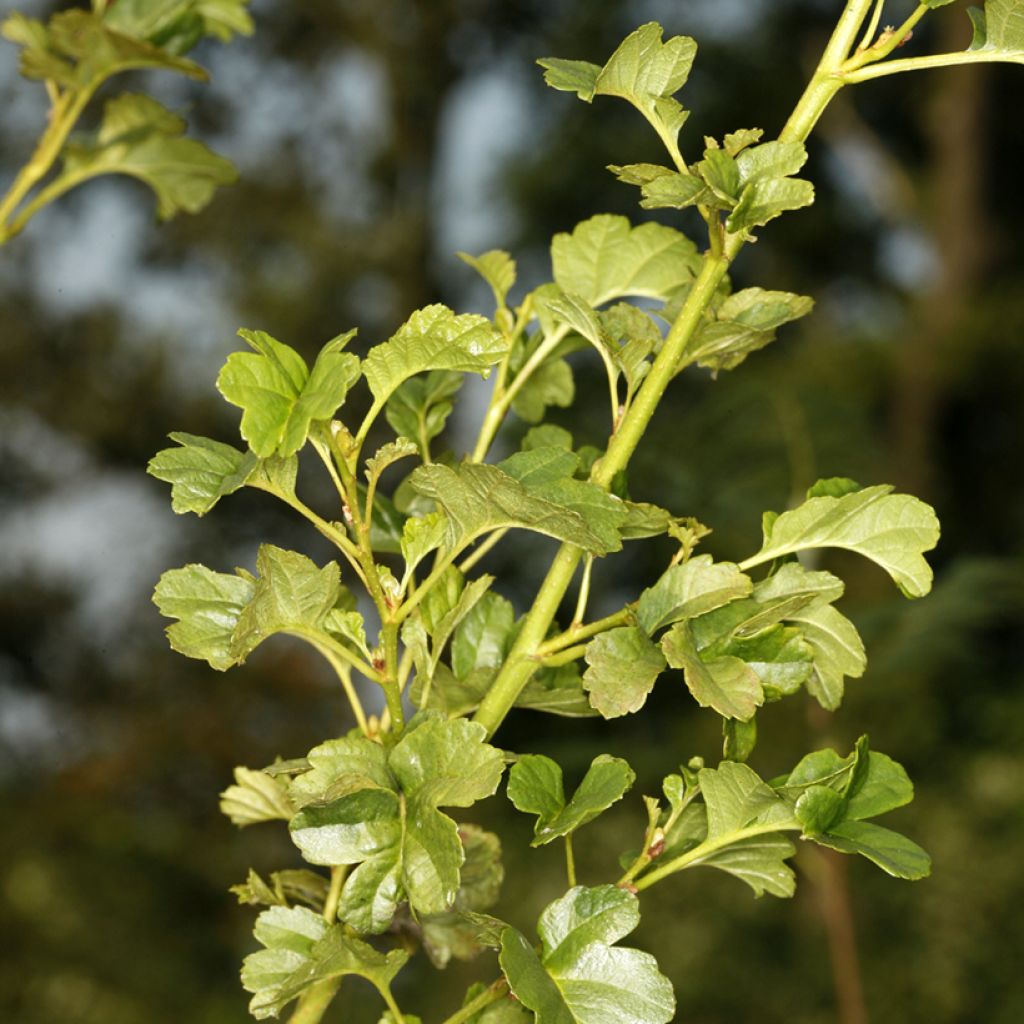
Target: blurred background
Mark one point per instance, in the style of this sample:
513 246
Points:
374 140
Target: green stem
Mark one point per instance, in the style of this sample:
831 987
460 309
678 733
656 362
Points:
701 852
565 657
313 1003
391 684
570 861
584 595
64 114
495 991
574 634
644 857
392 1005
501 401
474 556
873 23
341 669
521 662
938 60
338 875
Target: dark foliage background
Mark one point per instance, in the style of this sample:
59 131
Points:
374 139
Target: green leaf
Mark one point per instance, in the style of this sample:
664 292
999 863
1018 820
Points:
208 605
420 536
484 635
762 201
818 808
838 652
723 682
999 27
76 49
142 139
760 861
893 853
535 787
497 268
745 321
176 25
255 797
480 498
502 1011
284 888
404 847
673 191
736 799
279 397
300 951
833 487
419 408
455 933
387 455
200 471
551 384
580 977
291 595
578 76
433 338
605 258
689 589
623 665
893 530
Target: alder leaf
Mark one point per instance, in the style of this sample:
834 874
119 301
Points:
405 848
433 338
535 787
580 976
141 138
291 595
200 471
479 498
999 27
623 665
745 322
723 682
76 49
255 797
497 268
280 398
893 530
689 589
605 258
300 951
208 605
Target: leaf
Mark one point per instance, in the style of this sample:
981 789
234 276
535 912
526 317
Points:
643 70
285 887
736 799
838 652
279 397
605 258
1000 27
77 50
673 190
456 934
420 536
502 1011
300 951
141 138
893 853
535 787
208 605
433 338
177 25
763 201
724 683
497 268
291 595
580 977
404 847
893 530
480 498
484 635
387 455
745 321
200 471
689 589
760 861
420 407
623 665
551 384
255 797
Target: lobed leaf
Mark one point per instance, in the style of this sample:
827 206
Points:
689 589
580 977
201 471
623 665
280 398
